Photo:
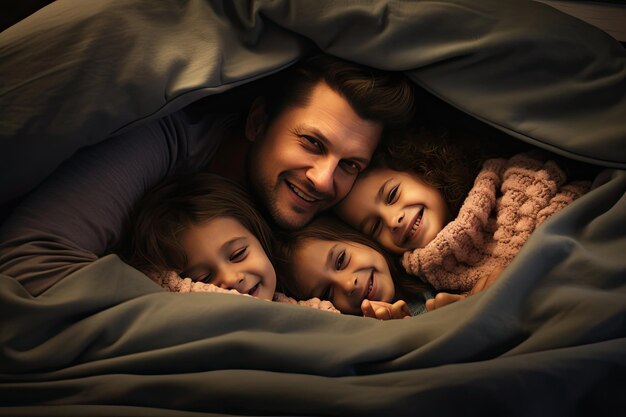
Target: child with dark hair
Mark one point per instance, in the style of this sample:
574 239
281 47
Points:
327 259
202 233
454 225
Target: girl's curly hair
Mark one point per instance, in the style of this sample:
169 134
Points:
446 160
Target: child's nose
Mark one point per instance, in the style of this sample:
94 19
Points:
394 220
349 284
230 279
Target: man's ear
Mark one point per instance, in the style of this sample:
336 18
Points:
257 119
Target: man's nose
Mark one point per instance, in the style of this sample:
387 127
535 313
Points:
322 174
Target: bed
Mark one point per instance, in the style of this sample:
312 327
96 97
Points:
549 338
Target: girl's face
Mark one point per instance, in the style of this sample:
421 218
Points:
223 252
345 273
395 208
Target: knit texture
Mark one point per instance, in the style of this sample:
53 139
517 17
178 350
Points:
171 281
509 200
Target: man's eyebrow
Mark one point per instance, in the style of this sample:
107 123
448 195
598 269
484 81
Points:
313 131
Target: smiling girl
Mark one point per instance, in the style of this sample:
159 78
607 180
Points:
201 233
453 224
204 228
329 260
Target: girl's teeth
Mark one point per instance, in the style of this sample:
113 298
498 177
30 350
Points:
417 222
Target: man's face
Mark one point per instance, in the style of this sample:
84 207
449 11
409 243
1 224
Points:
308 158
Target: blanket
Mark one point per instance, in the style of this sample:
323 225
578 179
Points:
548 338
509 200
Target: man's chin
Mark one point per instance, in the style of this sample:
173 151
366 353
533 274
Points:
291 221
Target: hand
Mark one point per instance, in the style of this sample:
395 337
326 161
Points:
385 311
486 281
443 299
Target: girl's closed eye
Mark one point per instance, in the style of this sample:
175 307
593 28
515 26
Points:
239 255
198 276
207 278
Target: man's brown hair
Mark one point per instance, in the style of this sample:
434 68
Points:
376 95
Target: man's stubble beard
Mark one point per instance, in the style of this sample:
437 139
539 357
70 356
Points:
267 194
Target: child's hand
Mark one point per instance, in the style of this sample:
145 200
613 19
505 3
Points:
385 311
443 299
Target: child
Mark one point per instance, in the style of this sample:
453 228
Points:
409 201
329 260
201 233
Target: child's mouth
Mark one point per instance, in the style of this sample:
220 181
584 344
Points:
254 290
371 289
415 227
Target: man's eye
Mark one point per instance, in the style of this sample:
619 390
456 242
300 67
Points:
391 198
350 167
239 255
312 143
340 260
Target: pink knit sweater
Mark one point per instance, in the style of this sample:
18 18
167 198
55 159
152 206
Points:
171 281
509 200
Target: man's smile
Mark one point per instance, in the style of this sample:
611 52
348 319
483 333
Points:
301 193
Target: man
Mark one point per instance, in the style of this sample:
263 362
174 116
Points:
307 144
298 151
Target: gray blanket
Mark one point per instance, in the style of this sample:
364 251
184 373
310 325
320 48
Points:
549 338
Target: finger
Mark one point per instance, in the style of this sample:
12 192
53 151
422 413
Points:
383 313
430 304
399 310
443 299
367 309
